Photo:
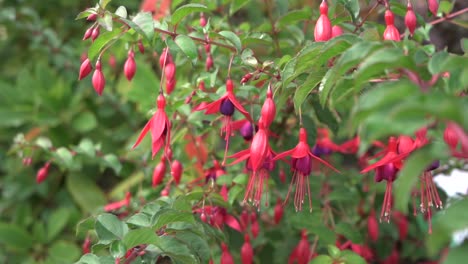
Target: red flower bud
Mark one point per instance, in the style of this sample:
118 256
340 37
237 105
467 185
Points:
323 28
158 173
372 226
169 71
170 85
88 33
98 79
208 48
95 33
176 171
42 173
201 86
141 48
91 17
226 257
336 31
254 227
209 62
450 137
433 6
112 61
202 20
165 192
410 18
247 251
244 220
86 245
165 58
130 66
278 211
246 78
85 69
268 109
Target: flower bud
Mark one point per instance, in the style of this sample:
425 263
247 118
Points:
130 66
209 62
158 173
98 79
202 20
323 27
85 69
247 251
268 111
278 211
95 33
88 33
226 257
372 226
336 31
450 137
42 173
141 48
176 171
391 32
169 71
91 17
410 18
433 6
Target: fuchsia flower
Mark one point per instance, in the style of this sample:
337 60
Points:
391 32
301 253
160 128
247 251
386 169
301 166
226 105
323 28
226 257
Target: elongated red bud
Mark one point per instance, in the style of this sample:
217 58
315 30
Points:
254 226
165 58
450 137
336 31
176 171
158 173
42 173
208 48
268 109
209 62
130 66
98 80
433 6
372 226
278 211
323 27
202 20
170 85
246 78
86 246
201 86
410 18
91 17
85 69
141 47
169 71
95 33
244 220
165 192
247 251
88 33
226 257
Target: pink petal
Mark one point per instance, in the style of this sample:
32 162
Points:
301 150
258 149
388 158
159 124
232 222
323 161
143 133
284 154
156 146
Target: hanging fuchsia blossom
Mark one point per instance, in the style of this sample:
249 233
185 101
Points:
226 105
323 28
410 18
160 128
301 165
391 32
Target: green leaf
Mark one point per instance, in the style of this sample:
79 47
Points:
103 40
196 244
86 13
121 12
236 5
86 147
409 175
140 236
304 89
112 161
322 259
352 6
352 258
168 216
144 21
109 228
187 45
105 21
140 219
14 237
294 17
457 255
103 3
64 252
233 38
84 122
177 250
57 222
381 61
333 251
350 232
65 157
85 192
117 249
185 10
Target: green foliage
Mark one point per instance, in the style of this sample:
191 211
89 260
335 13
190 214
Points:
351 85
